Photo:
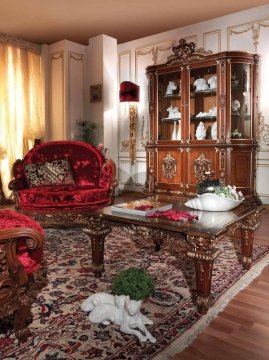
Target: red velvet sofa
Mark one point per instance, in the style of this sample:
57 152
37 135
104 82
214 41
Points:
63 175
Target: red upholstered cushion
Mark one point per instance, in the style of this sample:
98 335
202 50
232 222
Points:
63 197
11 219
30 259
56 172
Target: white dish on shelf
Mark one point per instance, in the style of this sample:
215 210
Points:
212 202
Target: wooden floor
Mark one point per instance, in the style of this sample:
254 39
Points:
241 331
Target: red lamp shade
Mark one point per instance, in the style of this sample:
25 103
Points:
129 91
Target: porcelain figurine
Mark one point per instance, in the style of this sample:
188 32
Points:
125 313
200 131
201 84
179 130
214 131
174 113
235 106
107 313
171 87
212 112
96 299
212 82
174 133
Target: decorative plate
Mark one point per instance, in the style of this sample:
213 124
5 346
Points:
212 202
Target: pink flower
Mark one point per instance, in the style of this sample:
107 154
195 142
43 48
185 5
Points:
100 147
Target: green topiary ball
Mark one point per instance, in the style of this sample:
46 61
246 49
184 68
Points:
135 282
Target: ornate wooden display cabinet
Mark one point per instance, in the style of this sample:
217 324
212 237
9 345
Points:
202 121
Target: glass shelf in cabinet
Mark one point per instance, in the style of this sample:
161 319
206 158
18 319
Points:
173 96
193 117
170 119
206 92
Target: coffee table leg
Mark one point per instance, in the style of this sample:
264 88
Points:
204 254
247 234
97 230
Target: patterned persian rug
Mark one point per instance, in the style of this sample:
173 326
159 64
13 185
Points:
60 330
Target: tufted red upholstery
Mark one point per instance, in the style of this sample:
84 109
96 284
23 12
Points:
93 177
21 248
11 220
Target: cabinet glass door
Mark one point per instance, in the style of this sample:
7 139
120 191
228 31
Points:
241 101
169 106
203 103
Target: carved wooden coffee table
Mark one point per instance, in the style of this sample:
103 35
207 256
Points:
201 236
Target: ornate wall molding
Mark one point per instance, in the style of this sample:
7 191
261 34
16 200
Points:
155 50
57 55
262 130
255 28
76 56
143 135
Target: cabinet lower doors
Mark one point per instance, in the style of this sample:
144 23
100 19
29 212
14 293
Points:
178 170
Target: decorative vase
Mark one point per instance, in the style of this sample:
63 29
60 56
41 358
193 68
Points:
174 133
179 130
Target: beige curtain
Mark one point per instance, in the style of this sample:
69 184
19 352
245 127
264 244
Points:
21 104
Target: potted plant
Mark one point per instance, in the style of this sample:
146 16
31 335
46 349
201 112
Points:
135 282
86 131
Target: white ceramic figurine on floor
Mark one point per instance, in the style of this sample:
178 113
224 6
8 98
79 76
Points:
96 299
124 312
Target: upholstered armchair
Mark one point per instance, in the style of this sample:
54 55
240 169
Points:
21 248
63 175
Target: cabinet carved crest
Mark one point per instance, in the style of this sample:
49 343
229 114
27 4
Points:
169 166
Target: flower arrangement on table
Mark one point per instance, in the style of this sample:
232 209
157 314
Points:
223 198
229 192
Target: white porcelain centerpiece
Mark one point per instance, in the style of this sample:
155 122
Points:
224 199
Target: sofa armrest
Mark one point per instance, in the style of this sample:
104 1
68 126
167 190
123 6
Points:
108 179
16 184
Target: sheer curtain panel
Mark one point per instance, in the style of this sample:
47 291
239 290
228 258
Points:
21 102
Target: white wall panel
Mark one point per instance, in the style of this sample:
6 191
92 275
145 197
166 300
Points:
57 119
76 95
240 38
212 41
263 176
125 66
263 51
123 109
143 58
125 172
140 175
